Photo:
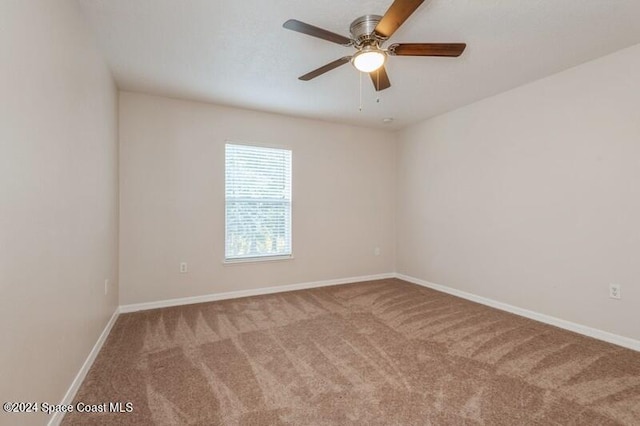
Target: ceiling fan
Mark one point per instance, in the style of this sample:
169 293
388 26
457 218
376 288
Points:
368 34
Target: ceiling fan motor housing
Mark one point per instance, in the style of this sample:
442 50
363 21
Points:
362 30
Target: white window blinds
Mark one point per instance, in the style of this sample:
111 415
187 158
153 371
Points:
258 202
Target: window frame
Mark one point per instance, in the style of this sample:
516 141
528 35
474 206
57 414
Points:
266 257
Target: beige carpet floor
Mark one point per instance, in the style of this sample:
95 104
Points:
375 353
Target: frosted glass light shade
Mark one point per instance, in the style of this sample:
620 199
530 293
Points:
369 60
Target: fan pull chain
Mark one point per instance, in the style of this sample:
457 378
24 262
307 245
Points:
360 78
378 85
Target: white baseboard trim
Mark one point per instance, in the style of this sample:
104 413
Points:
56 418
567 325
246 293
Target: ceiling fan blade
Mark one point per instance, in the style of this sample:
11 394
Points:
427 49
395 16
380 79
324 69
301 27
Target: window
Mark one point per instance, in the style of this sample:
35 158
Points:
258 202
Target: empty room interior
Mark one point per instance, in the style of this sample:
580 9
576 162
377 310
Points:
376 212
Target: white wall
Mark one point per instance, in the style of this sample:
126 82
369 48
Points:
532 197
172 199
58 200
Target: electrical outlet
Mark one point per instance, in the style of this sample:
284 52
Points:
106 287
183 268
614 291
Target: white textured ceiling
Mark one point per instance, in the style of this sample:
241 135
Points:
236 53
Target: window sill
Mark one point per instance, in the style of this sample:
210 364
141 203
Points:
240 261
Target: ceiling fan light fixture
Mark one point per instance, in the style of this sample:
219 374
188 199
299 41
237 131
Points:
369 59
